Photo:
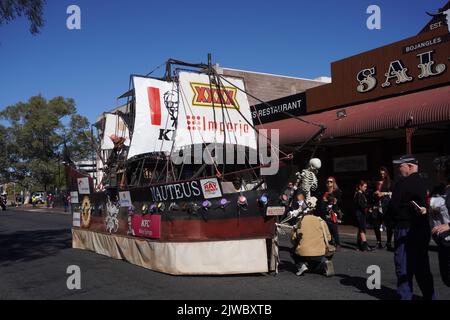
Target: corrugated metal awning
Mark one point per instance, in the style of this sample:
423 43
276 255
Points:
430 106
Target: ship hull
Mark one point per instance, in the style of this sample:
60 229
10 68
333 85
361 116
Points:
178 258
220 239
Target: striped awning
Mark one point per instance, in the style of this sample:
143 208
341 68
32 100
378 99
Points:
414 109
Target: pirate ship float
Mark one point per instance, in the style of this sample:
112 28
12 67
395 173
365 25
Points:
183 189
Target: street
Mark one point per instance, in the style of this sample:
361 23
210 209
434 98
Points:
35 251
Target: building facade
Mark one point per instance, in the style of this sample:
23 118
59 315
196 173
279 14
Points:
380 104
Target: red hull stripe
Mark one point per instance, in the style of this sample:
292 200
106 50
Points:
154 102
199 230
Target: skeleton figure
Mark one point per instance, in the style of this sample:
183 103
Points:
112 213
307 181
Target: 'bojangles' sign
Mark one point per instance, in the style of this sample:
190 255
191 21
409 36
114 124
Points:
408 65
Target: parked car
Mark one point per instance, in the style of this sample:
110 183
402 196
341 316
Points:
40 196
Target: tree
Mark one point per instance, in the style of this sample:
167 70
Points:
32 9
39 132
4 161
78 138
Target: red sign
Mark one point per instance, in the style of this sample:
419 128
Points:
207 95
147 226
155 105
210 187
197 123
275 211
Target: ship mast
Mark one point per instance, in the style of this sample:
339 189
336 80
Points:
161 161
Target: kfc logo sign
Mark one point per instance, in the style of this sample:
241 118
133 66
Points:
170 99
211 188
147 226
145 223
207 95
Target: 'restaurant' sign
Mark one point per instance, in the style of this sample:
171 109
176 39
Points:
294 105
204 188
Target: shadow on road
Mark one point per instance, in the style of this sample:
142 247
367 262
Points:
359 283
288 266
30 245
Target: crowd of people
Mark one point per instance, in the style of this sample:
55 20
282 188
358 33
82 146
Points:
408 213
35 199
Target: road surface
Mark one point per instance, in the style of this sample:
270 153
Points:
35 252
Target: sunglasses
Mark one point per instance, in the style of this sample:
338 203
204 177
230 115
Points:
330 181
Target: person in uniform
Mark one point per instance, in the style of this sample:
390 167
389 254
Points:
412 233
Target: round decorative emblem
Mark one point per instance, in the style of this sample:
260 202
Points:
86 209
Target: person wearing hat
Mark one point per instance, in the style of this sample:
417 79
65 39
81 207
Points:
412 234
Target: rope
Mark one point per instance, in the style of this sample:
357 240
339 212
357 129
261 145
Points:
268 105
201 136
321 126
157 68
235 138
222 104
251 124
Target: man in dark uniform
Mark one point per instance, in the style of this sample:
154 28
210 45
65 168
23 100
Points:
412 234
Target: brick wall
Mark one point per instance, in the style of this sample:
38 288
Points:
269 87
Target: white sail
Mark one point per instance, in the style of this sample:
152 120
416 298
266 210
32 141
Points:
155 116
189 114
202 119
114 125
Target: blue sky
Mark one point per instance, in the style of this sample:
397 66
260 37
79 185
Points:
118 38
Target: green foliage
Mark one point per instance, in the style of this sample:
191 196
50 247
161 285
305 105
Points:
3 151
38 134
32 9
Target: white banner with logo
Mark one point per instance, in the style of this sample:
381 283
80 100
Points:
125 198
114 125
76 219
210 188
83 186
74 197
199 122
156 113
